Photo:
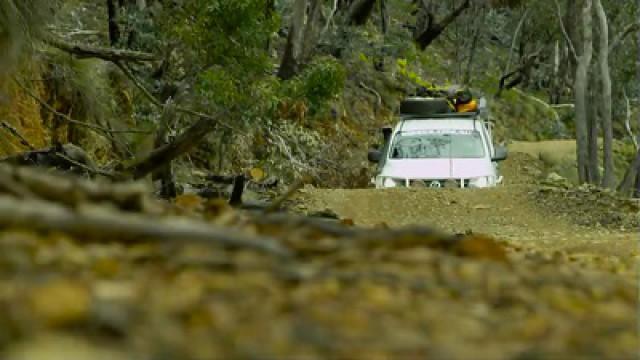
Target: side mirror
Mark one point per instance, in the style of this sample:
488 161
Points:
500 155
374 156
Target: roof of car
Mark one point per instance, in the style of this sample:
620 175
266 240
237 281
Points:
438 124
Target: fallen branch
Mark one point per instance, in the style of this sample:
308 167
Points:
104 223
181 145
375 93
87 168
13 131
277 203
72 190
541 102
108 54
562 106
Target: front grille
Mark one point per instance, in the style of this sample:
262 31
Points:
444 183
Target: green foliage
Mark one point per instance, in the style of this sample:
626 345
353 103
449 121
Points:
322 81
233 34
221 87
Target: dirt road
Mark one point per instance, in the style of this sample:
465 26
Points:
518 213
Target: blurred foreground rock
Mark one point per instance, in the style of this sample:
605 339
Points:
200 280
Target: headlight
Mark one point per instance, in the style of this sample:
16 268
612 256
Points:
386 182
480 182
390 183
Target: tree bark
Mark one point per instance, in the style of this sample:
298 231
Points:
107 54
384 19
114 31
593 127
181 145
428 29
477 32
291 57
637 182
630 179
164 174
581 86
609 179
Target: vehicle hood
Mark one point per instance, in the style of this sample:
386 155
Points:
437 169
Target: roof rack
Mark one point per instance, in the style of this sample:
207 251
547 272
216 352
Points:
451 115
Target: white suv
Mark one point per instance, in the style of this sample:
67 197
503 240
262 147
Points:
438 150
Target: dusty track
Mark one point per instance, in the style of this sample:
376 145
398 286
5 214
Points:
510 212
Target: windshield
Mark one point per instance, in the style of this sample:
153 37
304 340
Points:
438 145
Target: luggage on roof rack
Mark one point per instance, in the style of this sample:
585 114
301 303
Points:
425 106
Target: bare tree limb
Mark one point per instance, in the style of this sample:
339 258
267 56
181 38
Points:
627 122
565 33
182 144
13 131
125 69
332 14
619 39
110 224
514 40
109 54
427 34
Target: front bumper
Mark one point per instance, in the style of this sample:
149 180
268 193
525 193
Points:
382 182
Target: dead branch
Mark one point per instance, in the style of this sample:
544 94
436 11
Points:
514 40
13 131
125 69
181 145
565 33
375 93
90 169
432 29
627 122
91 221
619 39
71 190
297 185
157 158
108 54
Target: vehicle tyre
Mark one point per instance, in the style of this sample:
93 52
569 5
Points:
425 106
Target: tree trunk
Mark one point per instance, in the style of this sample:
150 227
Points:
554 92
384 18
311 31
581 86
293 49
477 32
631 177
609 179
360 11
593 127
165 173
114 30
637 182
428 29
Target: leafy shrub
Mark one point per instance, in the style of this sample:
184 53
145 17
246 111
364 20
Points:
322 81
